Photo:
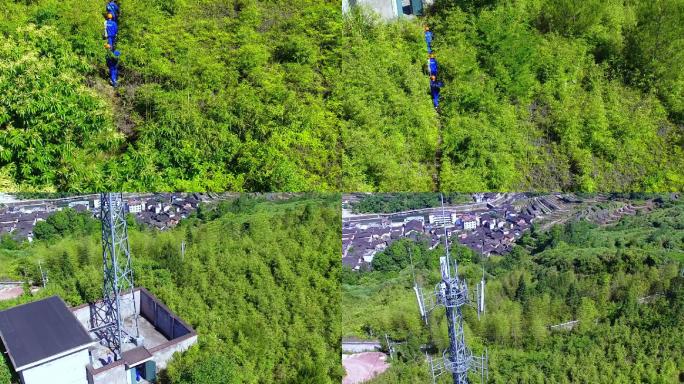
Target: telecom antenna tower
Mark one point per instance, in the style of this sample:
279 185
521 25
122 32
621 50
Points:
118 278
452 293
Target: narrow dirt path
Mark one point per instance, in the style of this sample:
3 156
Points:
120 108
432 69
436 178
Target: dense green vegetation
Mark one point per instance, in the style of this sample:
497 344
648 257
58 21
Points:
540 94
389 129
624 283
259 283
64 222
397 202
215 95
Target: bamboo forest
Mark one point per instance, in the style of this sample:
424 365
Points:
572 302
212 95
257 279
537 95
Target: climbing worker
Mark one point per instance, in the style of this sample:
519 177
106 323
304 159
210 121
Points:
434 90
428 39
432 65
111 29
113 64
113 9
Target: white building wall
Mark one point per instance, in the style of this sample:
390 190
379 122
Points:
445 219
163 356
70 369
113 375
345 6
368 257
387 9
414 218
83 314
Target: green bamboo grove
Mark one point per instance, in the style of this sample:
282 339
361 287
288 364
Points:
624 284
539 95
249 265
213 95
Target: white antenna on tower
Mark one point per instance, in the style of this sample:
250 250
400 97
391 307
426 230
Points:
453 293
480 295
446 240
416 288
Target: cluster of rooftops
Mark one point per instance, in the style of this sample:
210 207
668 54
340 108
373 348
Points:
489 229
159 210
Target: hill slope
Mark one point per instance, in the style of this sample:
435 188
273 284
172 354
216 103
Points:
539 95
219 95
623 283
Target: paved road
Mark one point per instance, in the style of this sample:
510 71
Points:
362 367
501 200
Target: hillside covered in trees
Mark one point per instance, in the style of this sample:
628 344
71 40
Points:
214 95
539 95
624 283
259 282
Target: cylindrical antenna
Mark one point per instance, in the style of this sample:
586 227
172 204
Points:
446 239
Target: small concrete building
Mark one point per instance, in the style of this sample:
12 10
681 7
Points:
136 206
441 219
389 9
50 343
45 342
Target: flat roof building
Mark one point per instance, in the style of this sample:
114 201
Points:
50 343
389 9
45 342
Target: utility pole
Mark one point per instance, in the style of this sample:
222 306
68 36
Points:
182 250
43 274
389 346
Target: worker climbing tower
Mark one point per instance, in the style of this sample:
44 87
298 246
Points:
118 297
453 293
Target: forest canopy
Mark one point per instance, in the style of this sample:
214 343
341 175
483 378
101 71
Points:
539 95
259 282
214 95
624 283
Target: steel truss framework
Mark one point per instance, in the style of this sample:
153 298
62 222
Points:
108 322
453 293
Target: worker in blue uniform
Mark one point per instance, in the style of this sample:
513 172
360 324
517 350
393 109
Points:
113 64
428 39
113 9
111 29
432 65
434 90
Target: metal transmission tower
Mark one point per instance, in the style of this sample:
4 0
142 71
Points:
118 278
453 293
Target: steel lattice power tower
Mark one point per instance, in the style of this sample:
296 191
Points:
453 293
118 278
